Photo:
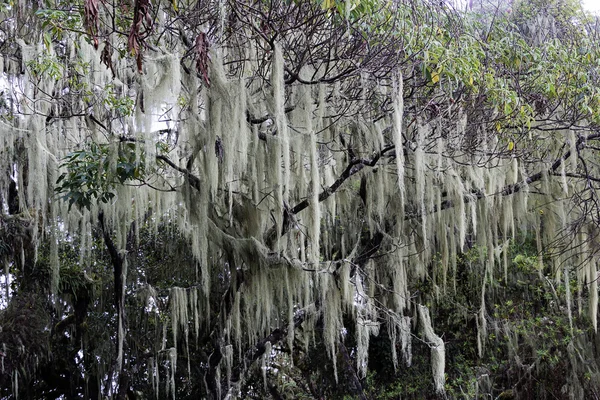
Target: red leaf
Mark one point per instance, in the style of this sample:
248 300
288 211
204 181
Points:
106 57
91 13
135 42
202 57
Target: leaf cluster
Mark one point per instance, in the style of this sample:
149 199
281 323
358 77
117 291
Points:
94 172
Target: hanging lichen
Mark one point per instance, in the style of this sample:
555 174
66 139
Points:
398 139
438 349
306 194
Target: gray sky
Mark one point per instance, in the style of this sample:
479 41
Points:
592 5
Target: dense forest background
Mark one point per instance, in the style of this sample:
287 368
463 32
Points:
299 199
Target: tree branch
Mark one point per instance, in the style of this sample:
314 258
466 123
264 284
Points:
193 179
517 187
116 260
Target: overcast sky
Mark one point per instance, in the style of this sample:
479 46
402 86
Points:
592 5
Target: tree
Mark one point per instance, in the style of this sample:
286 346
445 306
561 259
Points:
237 198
